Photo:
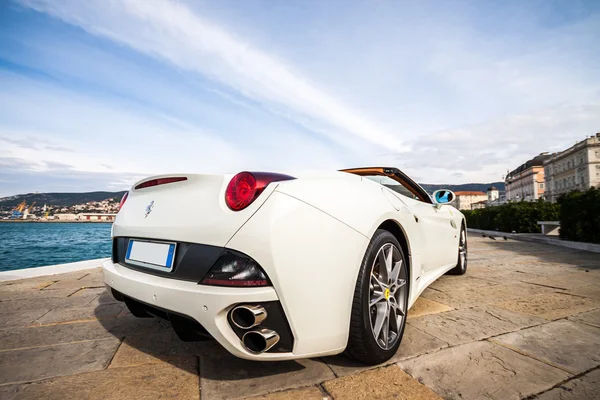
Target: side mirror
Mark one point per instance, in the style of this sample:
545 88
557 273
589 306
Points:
443 196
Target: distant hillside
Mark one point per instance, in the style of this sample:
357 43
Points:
476 187
58 199
69 199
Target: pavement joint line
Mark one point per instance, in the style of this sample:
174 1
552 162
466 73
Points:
114 354
83 276
526 354
324 391
577 376
77 321
55 345
75 292
328 366
548 286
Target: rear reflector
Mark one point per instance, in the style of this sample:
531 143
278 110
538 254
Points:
160 181
235 269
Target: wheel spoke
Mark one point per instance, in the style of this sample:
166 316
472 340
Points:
389 262
376 281
379 318
386 328
400 283
376 298
383 275
394 319
396 271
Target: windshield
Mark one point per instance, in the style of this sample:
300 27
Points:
392 185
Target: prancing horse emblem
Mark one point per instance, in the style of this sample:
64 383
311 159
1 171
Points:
149 208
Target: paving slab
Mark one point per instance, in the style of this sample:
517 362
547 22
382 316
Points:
482 370
465 298
591 291
564 344
103 298
152 381
310 393
471 324
13 286
19 366
155 348
551 306
9 392
449 283
35 294
17 319
571 280
131 326
89 291
382 383
83 313
590 318
414 342
224 376
586 387
425 306
26 337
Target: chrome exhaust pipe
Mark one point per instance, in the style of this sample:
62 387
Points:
246 317
260 340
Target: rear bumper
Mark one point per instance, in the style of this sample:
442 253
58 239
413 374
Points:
208 305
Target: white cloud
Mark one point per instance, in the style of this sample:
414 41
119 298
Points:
172 32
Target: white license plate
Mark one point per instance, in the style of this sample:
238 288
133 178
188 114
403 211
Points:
155 255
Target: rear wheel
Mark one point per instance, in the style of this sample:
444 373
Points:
380 301
461 263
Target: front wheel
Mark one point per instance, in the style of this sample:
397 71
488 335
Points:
380 301
461 263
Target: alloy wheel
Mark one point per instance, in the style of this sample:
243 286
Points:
387 296
462 249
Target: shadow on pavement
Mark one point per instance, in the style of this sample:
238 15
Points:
545 253
146 340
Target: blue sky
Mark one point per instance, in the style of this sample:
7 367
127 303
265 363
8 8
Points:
96 94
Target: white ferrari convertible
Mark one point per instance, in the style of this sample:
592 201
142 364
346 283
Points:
278 267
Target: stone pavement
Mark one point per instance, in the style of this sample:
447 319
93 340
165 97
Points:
524 322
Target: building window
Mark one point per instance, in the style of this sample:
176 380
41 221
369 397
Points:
541 185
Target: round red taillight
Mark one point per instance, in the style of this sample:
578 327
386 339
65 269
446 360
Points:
241 191
123 199
246 186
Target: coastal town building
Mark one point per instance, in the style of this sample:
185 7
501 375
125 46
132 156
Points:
96 217
479 204
465 199
576 168
526 183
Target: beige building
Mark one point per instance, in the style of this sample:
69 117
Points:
526 183
465 199
95 217
479 204
577 168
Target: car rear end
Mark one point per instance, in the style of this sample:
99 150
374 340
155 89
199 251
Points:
213 254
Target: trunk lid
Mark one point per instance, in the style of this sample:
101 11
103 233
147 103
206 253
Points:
192 210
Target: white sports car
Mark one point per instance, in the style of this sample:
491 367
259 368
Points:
276 267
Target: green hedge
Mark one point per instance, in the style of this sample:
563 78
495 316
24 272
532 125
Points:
521 217
580 216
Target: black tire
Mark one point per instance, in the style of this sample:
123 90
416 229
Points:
362 344
461 267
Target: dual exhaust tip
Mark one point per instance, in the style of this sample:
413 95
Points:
259 340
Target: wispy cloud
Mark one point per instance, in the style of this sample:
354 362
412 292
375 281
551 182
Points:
172 32
117 89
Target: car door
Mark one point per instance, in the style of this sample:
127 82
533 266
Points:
438 233
435 221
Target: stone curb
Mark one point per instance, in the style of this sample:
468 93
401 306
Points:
50 269
525 237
